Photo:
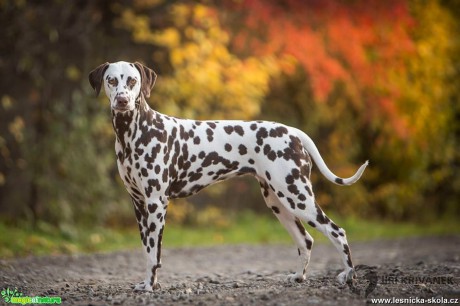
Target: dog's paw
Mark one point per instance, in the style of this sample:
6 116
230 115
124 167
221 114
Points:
296 278
141 286
346 276
145 286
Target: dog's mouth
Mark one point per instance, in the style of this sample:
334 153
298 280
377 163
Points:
120 108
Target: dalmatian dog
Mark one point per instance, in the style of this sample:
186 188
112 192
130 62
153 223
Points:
160 157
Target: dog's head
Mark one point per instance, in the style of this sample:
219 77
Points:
123 83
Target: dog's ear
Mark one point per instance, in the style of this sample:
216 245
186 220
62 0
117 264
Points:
148 78
95 77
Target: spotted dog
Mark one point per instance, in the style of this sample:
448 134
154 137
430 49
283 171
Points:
161 157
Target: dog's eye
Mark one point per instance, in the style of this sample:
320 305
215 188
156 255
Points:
113 82
132 82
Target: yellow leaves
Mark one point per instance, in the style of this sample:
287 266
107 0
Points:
425 88
169 38
7 102
16 128
139 25
73 73
147 3
180 15
207 79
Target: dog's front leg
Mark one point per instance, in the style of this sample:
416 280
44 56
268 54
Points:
151 220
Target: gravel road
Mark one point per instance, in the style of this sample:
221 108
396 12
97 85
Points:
426 268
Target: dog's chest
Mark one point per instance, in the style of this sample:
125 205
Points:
126 168
136 161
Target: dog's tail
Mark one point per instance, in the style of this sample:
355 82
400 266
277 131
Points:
310 146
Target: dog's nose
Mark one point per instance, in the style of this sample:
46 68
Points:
122 101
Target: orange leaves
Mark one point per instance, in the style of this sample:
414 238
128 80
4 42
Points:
355 43
206 79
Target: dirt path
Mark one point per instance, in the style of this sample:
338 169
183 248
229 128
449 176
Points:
245 275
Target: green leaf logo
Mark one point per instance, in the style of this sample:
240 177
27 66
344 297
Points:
7 294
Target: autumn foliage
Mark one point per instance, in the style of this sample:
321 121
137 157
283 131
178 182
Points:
375 80
357 43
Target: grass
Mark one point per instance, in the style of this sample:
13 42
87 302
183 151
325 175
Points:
247 228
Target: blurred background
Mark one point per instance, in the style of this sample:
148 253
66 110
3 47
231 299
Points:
377 80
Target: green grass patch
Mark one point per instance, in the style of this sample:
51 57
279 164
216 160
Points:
46 239
248 228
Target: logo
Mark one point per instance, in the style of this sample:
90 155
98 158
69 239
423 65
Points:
13 296
365 280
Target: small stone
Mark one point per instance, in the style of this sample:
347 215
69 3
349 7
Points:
264 297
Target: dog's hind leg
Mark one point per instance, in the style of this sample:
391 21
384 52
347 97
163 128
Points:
295 228
338 238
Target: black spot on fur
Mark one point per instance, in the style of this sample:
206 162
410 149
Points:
291 202
239 130
334 226
275 209
293 189
210 134
271 156
228 129
267 174
346 250
309 191
320 217
278 132
300 227
152 208
264 187
261 135
309 244
242 149
194 176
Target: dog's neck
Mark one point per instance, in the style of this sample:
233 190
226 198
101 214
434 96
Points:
126 124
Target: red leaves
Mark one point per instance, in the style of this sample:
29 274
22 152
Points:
357 43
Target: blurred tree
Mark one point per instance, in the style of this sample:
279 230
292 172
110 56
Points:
428 103
366 79
204 79
53 143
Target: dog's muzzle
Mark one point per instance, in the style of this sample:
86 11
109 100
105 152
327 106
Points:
121 103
